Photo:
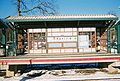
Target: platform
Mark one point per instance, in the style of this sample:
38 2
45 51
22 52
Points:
59 58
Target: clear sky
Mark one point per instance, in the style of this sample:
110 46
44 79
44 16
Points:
7 7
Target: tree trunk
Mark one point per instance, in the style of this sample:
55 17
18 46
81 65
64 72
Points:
18 7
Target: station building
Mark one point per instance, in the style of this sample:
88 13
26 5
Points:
63 34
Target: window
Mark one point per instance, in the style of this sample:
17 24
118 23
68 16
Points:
69 44
55 45
37 40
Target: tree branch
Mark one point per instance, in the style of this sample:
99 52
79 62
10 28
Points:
44 7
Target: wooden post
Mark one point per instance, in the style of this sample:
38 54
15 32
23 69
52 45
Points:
5 67
18 7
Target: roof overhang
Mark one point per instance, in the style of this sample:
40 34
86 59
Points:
61 18
58 21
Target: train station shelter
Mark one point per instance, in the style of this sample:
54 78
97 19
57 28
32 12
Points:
63 34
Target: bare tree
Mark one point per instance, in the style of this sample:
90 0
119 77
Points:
35 7
112 12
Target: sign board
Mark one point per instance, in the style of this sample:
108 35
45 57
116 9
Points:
83 41
61 39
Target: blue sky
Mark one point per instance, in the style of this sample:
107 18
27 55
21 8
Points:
7 7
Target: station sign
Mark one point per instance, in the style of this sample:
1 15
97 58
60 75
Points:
61 39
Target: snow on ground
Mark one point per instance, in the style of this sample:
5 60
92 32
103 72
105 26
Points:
63 75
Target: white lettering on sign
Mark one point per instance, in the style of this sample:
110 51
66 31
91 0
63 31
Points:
61 39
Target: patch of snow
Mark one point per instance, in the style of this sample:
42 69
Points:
48 76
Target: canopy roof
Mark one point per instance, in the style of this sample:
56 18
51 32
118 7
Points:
62 18
85 20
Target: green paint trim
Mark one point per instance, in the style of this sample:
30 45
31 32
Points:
118 23
118 38
3 36
4 25
108 42
14 42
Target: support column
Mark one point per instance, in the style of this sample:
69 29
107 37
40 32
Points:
3 36
4 40
118 38
14 42
108 42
